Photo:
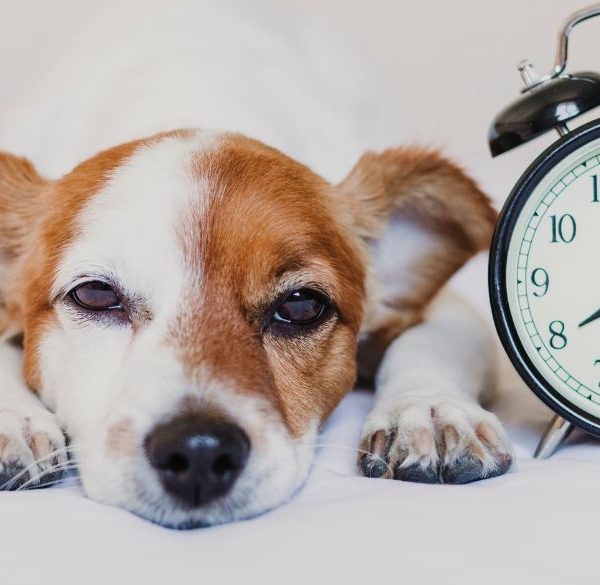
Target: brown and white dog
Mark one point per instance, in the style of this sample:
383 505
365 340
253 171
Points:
190 306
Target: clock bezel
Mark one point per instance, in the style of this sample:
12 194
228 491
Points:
503 320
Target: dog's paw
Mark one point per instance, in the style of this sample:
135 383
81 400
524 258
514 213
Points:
32 449
433 439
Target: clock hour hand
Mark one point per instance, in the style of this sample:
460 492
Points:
591 318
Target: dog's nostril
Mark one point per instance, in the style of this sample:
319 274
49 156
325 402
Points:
177 463
223 464
197 460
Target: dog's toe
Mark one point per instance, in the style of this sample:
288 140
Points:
473 443
470 468
373 456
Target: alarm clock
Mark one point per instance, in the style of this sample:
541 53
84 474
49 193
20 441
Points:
544 269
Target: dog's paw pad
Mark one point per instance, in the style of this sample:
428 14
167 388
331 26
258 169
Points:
32 450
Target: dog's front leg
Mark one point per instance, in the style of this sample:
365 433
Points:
32 446
427 425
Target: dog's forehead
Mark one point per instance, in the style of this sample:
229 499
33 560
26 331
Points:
261 213
178 199
127 226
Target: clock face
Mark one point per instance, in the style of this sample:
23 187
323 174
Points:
550 278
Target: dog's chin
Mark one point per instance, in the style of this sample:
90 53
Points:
176 518
242 505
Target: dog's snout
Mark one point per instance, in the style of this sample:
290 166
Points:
197 459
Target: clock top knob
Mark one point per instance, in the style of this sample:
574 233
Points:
550 101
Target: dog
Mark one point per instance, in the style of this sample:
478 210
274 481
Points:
190 307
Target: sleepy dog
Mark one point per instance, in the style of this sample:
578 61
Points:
193 305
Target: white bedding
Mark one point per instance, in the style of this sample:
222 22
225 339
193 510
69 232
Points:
533 525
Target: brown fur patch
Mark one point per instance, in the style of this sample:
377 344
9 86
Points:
265 219
21 190
421 187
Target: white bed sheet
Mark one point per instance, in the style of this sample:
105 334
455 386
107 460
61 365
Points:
534 525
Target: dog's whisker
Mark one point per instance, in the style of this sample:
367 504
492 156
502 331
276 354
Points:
32 467
37 480
68 450
61 480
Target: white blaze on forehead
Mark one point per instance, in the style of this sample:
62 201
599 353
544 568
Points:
129 228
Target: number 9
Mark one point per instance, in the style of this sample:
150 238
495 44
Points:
540 279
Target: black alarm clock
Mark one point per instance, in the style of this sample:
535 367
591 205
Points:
544 271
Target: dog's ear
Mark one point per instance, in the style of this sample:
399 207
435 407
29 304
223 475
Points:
423 218
21 191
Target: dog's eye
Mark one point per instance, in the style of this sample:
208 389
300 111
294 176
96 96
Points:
96 296
302 307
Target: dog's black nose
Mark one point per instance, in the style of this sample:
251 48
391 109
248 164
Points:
197 459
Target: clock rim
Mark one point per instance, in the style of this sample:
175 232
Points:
501 313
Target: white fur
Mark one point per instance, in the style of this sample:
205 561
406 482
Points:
395 256
432 377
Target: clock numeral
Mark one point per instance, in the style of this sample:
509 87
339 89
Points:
595 189
596 363
563 229
540 278
558 339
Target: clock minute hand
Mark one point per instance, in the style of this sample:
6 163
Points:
591 318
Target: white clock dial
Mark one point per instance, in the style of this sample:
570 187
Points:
553 277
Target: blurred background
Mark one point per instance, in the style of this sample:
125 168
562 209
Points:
453 64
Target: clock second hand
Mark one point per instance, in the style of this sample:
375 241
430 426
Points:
591 318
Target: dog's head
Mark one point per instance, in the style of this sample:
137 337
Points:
190 305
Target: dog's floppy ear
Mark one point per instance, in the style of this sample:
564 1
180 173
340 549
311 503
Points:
21 190
423 218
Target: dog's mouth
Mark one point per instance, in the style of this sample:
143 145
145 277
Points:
169 513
